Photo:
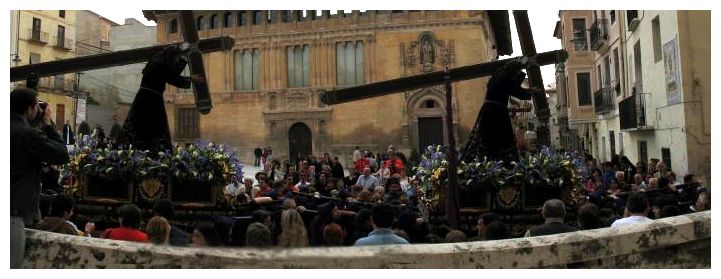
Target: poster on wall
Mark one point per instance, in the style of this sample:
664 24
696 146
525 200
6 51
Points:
671 66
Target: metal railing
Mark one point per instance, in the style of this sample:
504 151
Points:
599 33
62 42
632 112
603 100
38 36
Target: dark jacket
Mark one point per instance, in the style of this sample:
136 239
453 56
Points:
29 148
178 237
550 227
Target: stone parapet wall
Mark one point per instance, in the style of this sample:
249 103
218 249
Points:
676 242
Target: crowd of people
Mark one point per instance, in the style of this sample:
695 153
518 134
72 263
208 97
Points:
312 203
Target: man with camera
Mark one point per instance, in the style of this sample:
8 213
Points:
30 147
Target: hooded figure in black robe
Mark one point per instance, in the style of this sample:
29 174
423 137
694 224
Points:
146 126
492 136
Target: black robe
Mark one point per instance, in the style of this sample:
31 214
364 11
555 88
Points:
492 135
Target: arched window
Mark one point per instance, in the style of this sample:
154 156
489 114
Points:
214 21
173 26
241 19
257 17
227 20
200 22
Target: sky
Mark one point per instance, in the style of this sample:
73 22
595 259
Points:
542 25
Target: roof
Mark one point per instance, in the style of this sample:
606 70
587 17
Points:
502 32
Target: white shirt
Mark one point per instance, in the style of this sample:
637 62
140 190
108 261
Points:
633 219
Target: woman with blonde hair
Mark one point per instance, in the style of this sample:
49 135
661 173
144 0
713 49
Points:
158 230
294 233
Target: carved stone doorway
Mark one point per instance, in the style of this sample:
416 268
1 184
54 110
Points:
300 142
430 132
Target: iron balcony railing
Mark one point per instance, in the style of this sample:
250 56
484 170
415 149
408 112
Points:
632 112
599 34
604 100
37 36
63 43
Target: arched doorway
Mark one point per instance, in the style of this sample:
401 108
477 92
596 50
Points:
300 142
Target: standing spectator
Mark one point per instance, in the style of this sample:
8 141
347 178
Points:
362 163
368 181
661 170
129 218
393 164
554 211
294 233
68 136
30 148
356 154
158 230
637 209
652 167
382 220
258 152
337 169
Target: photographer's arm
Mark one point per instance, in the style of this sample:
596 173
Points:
46 143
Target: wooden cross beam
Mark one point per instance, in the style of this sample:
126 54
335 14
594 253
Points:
388 87
195 62
106 60
528 47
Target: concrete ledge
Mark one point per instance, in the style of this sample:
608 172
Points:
676 242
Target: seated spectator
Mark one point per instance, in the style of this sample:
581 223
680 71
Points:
638 184
164 208
408 222
554 212
361 225
637 209
205 236
158 230
333 235
669 211
61 209
607 217
293 232
257 235
496 230
588 217
129 219
394 191
455 236
703 202
368 181
482 222
653 183
378 194
382 220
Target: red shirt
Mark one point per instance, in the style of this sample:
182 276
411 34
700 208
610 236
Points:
360 164
127 234
397 163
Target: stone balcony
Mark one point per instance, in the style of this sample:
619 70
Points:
675 242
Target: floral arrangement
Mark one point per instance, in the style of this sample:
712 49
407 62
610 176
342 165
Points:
203 160
200 161
548 168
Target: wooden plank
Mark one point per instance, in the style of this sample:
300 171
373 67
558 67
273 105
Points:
106 60
195 63
387 87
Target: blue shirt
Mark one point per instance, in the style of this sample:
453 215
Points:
381 236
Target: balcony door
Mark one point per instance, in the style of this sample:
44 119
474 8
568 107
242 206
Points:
36 29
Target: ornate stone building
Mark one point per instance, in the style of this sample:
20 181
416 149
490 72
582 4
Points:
266 91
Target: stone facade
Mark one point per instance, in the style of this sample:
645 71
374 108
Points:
656 61
46 35
389 45
676 242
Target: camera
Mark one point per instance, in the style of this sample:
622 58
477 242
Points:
43 106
